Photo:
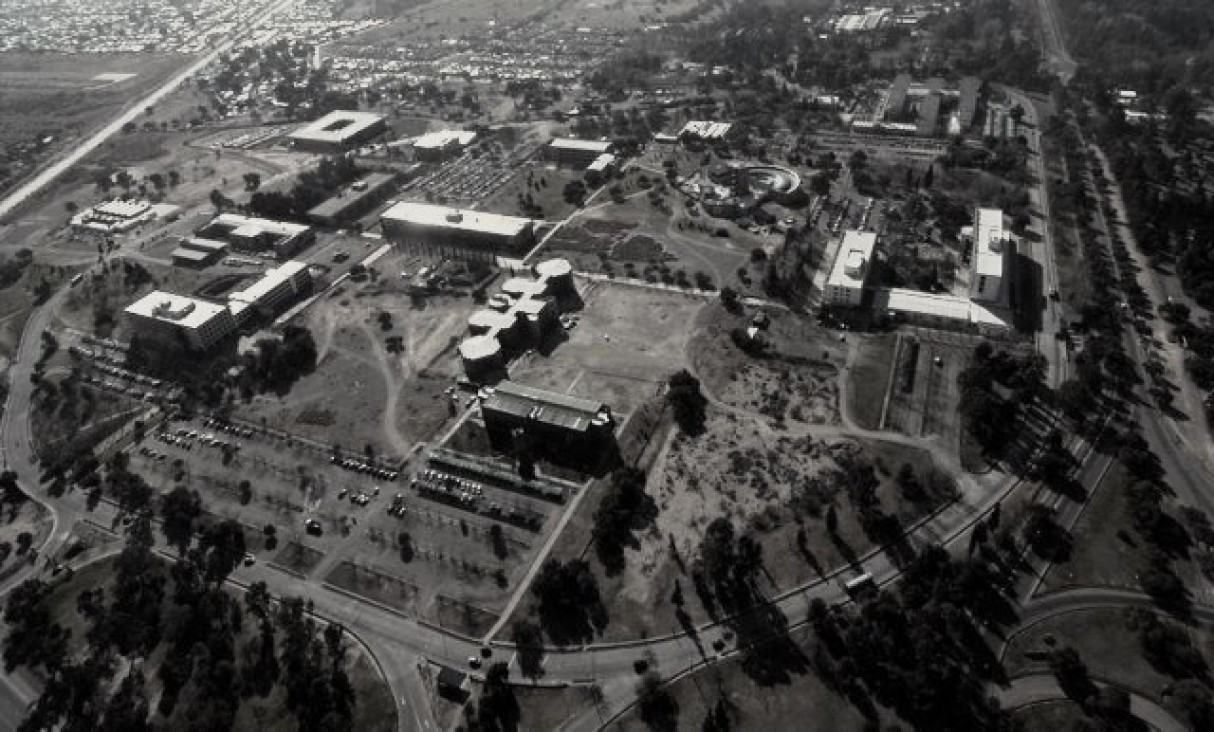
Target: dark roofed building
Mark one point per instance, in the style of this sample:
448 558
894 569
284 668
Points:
452 684
354 201
559 424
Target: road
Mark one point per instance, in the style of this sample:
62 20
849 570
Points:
1040 247
1038 688
136 110
1057 58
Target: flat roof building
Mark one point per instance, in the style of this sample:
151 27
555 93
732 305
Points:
163 315
990 258
338 132
462 232
938 311
111 217
967 104
845 285
563 426
274 288
441 144
355 200
258 236
705 130
576 153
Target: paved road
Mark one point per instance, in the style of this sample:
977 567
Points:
133 112
1037 688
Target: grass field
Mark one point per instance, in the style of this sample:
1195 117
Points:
756 707
869 376
1102 555
1109 648
1051 717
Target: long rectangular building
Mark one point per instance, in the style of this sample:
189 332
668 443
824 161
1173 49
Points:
989 255
558 423
460 231
576 153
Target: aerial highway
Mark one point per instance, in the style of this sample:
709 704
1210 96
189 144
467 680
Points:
135 110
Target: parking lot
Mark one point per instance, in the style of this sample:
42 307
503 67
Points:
444 538
472 177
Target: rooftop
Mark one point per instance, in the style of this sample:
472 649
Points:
443 138
988 242
268 281
349 196
336 126
479 347
942 306
855 252
569 143
252 226
706 130
186 312
550 407
425 214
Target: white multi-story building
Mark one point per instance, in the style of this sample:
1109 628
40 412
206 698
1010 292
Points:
845 286
200 323
990 246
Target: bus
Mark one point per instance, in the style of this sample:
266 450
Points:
77 279
860 585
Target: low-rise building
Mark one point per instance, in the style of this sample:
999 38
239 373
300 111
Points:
573 153
270 292
198 252
845 285
468 234
443 144
258 236
114 217
338 132
558 424
705 130
990 260
354 201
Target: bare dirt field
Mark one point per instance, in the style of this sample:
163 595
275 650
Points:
628 341
774 486
361 394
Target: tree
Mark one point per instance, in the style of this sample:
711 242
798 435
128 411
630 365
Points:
690 406
529 642
570 607
178 511
1072 675
252 181
224 548
729 298
33 640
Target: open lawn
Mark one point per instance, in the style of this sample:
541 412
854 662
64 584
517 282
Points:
1109 553
868 380
1051 716
1105 642
804 702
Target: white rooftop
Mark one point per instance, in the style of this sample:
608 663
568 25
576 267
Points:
443 138
706 130
426 214
268 281
942 306
252 226
569 143
122 209
855 252
186 312
988 242
336 126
